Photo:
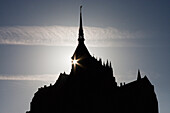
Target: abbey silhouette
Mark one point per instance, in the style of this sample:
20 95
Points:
91 88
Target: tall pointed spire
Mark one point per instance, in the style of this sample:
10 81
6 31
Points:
81 50
139 75
81 34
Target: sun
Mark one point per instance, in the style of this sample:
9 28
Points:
74 61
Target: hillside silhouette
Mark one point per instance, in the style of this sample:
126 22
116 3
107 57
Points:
91 88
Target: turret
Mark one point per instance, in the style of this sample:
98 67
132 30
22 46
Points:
110 65
139 75
107 63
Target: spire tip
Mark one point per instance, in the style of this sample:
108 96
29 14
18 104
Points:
81 34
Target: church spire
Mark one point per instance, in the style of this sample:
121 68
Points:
81 34
81 50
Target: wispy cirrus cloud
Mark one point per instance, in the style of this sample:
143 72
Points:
62 35
45 77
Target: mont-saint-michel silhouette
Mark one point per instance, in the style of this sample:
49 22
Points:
91 88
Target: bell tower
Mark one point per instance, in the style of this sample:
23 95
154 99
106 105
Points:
81 53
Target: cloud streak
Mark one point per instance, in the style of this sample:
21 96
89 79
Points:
45 77
62 35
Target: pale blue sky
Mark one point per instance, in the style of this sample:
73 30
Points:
38 38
